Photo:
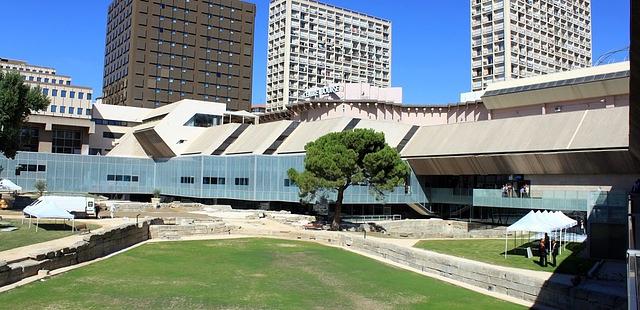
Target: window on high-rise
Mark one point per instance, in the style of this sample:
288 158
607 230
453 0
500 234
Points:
67 141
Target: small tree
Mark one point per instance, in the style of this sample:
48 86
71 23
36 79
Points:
41 186
156 193
17 100
338 160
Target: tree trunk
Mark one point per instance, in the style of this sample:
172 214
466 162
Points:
335 225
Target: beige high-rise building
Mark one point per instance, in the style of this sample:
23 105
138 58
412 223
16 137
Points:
313 45
65 125
521 38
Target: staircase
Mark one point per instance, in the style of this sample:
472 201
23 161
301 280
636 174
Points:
421 209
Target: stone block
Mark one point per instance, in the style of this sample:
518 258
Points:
37 255
4 266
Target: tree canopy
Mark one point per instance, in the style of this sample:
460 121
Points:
338 160
17 100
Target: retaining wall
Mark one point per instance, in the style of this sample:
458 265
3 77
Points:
192 228
437 228
91 247
556 292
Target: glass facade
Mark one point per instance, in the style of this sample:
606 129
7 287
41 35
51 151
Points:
67 141
258 178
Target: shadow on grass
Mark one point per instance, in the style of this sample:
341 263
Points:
574 264
54 227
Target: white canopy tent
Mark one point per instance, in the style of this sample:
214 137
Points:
45 210
541 222
7 186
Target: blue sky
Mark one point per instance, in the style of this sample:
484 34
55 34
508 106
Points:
430 53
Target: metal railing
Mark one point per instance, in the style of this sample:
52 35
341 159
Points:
371 218
547 199
450 195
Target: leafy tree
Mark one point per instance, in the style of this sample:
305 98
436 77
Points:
41 186
338 160
17 100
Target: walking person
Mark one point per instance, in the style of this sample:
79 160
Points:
504 190
542 251
554 252
526 190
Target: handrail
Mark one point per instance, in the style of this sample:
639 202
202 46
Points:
371 218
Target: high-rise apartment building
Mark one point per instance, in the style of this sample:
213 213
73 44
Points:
312 45
65 125
521 38
161 51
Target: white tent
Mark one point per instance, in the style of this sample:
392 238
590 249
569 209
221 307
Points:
540 221
8 186
569 222
531 222
44 210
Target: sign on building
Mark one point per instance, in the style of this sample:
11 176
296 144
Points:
317 92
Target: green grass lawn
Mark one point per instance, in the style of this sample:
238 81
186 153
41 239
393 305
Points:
492 251
25 236
243 274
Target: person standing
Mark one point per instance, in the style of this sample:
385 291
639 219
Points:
554 252
548 248
112 210
542 251
636 187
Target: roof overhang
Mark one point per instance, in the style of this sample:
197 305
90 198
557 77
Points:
591 82
608 161
567 92
50 120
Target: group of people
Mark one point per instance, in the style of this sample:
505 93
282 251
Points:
545 247
509 191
